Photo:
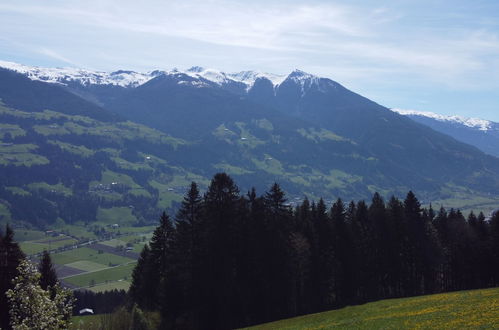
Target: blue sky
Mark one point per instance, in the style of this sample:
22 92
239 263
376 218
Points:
439 56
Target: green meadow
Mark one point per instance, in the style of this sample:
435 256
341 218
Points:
475 309
121 272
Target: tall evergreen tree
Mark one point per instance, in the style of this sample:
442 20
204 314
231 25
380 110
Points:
48 278
222 219
494 248
187 255
139 288
397 248
340 256
278 220
10 257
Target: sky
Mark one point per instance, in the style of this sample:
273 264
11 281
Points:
427 55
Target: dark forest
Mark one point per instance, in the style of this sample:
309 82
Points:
229 260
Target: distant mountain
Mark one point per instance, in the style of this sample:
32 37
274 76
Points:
17 91
311 134
483 134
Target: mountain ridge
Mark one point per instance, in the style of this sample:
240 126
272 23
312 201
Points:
132 79
481 133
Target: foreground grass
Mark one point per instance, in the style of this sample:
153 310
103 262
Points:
476 309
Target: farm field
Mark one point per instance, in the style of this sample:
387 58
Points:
121 272
46 243
88 254
99 265
116 285
474 309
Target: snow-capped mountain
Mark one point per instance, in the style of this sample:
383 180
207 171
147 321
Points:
279 91
65 76
480 124
481 133
131 79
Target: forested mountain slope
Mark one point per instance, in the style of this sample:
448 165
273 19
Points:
153 135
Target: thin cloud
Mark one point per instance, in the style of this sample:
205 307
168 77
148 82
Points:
55 55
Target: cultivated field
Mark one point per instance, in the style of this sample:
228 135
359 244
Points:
83 260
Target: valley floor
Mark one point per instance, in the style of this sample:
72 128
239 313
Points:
84 261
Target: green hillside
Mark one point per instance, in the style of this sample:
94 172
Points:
59 168
476 309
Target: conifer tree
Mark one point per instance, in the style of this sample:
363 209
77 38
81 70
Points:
221 222
188 251
278 220
398 248
10 256
48 278
159 262
494 247
139 287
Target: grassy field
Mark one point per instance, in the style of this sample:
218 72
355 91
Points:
87 266
28 235
476 309
121 272
88 254
36 246
118 285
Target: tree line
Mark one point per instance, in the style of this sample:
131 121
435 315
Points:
228 260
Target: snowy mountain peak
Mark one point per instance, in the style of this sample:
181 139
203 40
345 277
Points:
249 77
127 78
64 76
296 73
480 124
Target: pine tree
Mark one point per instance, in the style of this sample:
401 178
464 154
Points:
10 256
188 252
416 227
340 257
278 221
159 262
222 220
494 248
398 248
139 287
48 279
377 257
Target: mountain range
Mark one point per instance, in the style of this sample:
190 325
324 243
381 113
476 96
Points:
135 140
481 133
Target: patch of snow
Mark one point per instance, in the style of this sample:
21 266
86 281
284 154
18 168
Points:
249 77
305 80
481 124
212 75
